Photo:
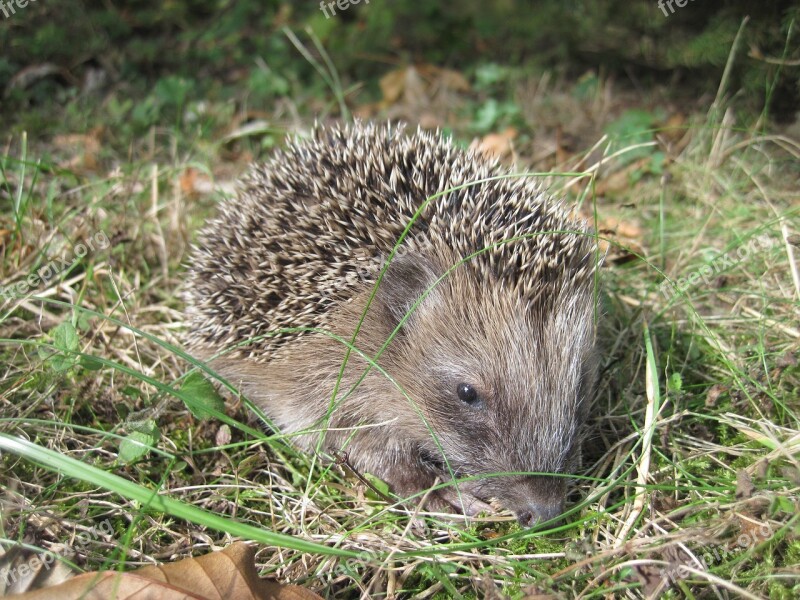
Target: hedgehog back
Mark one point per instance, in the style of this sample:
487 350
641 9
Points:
285 250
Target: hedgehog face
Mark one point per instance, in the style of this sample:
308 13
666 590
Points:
503 386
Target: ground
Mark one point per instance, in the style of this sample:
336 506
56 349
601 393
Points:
690 476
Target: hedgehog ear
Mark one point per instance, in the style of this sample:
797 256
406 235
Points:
406 279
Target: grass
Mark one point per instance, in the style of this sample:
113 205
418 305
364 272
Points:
691 473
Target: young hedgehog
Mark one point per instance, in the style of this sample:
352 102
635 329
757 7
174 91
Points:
496 363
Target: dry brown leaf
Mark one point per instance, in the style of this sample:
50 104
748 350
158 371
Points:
496 145
412 90
651 578
791 473
760 469
83 149
713 395
674 128
223 436
392 85
444 78
626 237
624 229
751 533
226 575
744 485
489 589
423 94
620 181
194 182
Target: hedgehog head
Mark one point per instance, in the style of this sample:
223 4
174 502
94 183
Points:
502 380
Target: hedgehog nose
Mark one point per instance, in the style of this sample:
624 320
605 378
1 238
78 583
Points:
539 512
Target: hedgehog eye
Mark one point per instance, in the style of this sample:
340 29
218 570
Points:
469 395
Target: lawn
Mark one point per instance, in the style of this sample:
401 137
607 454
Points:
119 450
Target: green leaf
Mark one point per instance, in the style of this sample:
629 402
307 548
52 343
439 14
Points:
65 337
138 442
675 382
131 392
84 322
55 360
633 127
65 340
204 394
489 74
782 505
491 113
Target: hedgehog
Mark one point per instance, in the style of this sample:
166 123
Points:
463 366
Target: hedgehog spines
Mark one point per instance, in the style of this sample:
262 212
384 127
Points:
277 255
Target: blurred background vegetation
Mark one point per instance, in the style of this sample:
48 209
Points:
150 60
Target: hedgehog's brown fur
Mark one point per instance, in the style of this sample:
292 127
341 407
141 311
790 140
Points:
515 321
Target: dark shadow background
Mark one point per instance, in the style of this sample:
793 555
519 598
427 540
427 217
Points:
53 53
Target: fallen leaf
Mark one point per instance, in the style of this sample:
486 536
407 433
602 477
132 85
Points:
624 240
414 92
226 575
223 436
789 359
744 485
496 145
439 77
83 149
194 182
674 128
651 577
490 589
422 93
620 180
713 395
752 533
392 85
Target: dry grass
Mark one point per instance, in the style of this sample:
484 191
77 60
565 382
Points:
691 471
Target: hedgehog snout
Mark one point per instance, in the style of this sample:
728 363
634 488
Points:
539 511
535 499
